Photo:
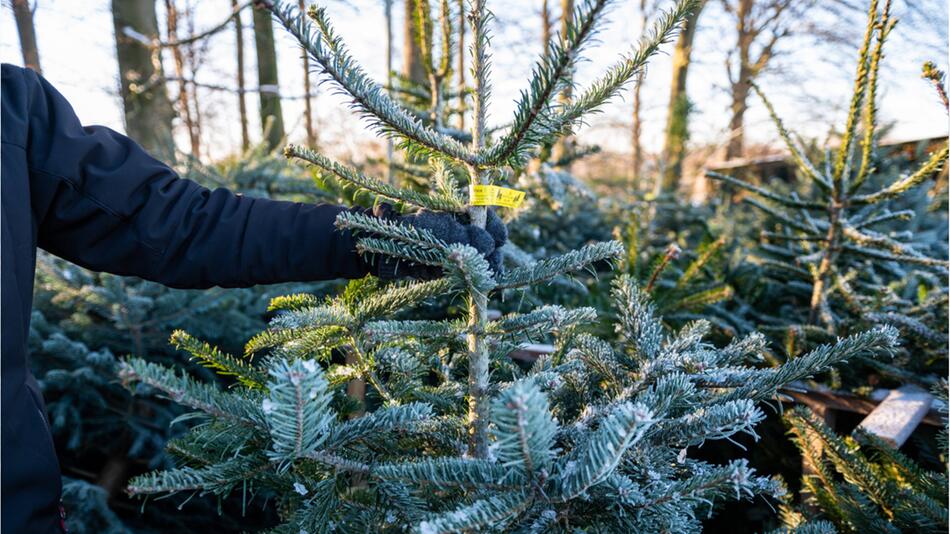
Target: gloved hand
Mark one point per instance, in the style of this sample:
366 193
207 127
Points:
449 228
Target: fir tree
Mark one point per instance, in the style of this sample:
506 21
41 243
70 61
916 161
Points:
863 484
841 255
451 435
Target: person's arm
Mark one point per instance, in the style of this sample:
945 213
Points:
109 206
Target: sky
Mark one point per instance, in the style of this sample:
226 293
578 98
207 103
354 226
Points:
809 85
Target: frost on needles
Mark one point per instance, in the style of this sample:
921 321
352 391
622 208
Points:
451 435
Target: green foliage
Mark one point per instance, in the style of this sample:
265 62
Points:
359 413
862 483
845 252
625 420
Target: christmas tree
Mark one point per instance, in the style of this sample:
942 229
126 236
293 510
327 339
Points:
352 414
861 483
848 251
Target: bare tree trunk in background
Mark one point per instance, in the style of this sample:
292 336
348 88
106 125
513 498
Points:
27 31
242 103
772 20
272 120
545 26
740 85
564 146
677 122
740 93
461 65
191 59
412 67
148 112
307 109
388 10
183 103
636 163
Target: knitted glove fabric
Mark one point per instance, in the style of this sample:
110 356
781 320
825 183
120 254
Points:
449 228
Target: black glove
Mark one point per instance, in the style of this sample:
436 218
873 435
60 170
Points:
449 228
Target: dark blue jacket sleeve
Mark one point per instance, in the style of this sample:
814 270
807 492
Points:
109 206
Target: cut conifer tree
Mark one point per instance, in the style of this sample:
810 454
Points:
451 435
839 255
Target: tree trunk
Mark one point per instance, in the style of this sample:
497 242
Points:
545 26
636 152
677 129
390 152
307 108
148 112
461 65
740 94
27 31
242 103
171 19
272 120
191 59
412 67
565 145
740 86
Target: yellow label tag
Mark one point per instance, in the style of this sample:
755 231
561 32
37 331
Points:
493 195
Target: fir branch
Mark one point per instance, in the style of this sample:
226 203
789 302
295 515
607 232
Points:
932 484
220 478
548 268
400 296
765 193
843 157
223 364
780 216
870 238
887 216
878 341
868 144
931 167
637 323
936 77
309 318
718 421
597 458
293 302
491 512
451 473
890 256
377 423
706 253
291 326
297 408
531 126
524 429
445 23
469 269
849 462
734 479
542 320
186 391
700 299
371 246
390 229
376 187
382 331
338 462
805 166
663 31
369 98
